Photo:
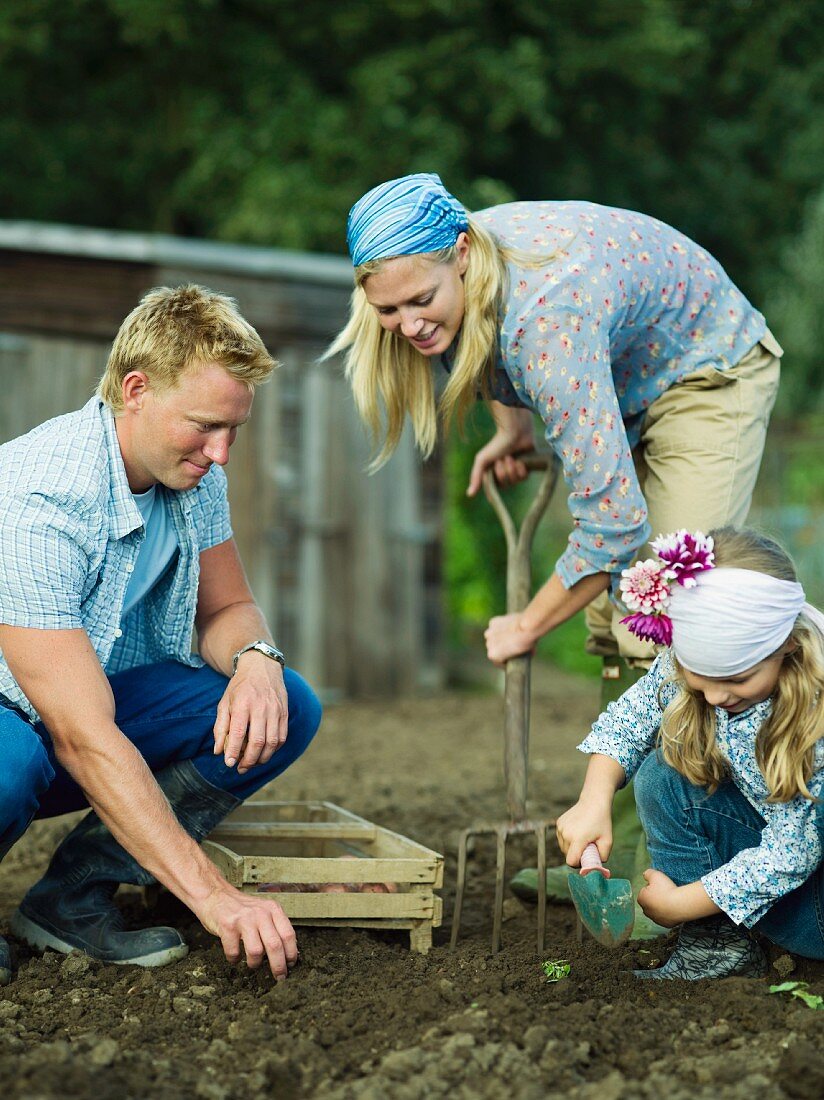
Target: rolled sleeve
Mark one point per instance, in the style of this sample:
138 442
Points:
564 361
43 565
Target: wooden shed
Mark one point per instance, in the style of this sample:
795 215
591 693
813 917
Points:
345 565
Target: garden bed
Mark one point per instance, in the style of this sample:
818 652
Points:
361 1015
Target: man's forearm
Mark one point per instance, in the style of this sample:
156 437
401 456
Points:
59 672
229 630
122 790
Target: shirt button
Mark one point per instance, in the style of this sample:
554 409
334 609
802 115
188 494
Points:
130 568
118 633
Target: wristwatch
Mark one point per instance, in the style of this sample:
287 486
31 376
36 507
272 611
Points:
266 648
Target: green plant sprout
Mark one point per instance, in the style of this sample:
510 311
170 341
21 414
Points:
799 989
555 969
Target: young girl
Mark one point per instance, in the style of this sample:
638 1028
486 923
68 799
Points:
725 738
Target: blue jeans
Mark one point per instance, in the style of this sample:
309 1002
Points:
690 833
168 712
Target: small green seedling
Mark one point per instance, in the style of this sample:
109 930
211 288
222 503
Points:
799 989
555 969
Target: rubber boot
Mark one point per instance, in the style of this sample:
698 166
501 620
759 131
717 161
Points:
72 907
629 857
711 948
5 962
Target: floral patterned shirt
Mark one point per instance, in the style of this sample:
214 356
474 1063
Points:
791 842
623 307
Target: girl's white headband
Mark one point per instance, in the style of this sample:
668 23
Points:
720 622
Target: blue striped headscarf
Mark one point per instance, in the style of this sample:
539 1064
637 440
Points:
404 217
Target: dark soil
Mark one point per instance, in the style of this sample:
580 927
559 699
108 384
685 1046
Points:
361 1016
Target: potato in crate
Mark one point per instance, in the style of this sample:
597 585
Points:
331 867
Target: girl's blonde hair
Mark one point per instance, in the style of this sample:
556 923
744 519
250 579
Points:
390 378
785 743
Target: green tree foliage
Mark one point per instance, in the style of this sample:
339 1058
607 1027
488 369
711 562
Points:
262 120
795 306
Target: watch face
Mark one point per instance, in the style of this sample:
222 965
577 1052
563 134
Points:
269 650
262 647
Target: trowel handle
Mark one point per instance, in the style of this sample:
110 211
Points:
591 861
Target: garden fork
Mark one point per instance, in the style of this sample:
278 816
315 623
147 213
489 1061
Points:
516 708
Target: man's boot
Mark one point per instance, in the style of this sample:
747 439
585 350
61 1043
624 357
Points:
72 907
711 948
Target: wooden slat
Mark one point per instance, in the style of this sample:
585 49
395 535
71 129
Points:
294 830
229 864
388 843
66 295
321 869
392 923
363 906
406 551
314 579
311 810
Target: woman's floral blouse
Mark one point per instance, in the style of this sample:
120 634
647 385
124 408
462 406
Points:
791 841
623 307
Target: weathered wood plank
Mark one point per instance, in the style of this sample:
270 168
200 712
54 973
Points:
294 830
318 869
365 907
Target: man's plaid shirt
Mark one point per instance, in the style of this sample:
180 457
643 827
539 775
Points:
70 532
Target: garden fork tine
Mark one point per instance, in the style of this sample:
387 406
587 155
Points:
516 710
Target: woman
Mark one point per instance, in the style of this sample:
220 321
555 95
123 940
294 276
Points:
653 375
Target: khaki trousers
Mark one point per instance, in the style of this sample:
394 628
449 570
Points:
697 463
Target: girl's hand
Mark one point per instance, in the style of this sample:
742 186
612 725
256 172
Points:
506 638
587 822
659 899
668 904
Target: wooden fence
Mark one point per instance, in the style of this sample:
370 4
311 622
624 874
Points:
346 566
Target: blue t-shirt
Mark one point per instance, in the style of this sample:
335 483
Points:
156 550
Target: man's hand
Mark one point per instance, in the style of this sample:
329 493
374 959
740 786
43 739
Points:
252 718
589 821
252 926
253 715
506 638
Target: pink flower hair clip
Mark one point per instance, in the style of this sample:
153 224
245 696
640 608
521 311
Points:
646 586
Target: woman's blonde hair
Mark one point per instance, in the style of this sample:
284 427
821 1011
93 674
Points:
173 328
391 379
785 743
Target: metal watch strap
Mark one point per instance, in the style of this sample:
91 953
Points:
266 648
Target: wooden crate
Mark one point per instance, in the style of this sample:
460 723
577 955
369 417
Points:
300 843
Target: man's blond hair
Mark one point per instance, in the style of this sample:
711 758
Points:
175 328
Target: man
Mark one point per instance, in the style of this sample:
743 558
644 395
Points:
115 543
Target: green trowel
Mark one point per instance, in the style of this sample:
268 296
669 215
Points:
604 904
